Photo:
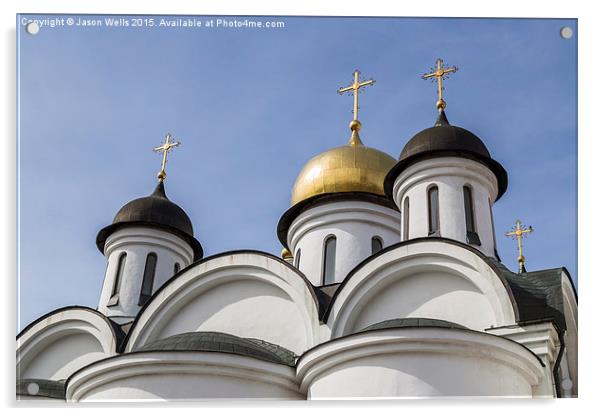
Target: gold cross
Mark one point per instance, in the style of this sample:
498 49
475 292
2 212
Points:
355 87
517 233
441 73
165 148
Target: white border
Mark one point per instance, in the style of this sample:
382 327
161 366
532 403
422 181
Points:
589 168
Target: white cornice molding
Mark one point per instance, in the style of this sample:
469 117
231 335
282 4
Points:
342 211
427 341
430 169
541 338
179 362
149 237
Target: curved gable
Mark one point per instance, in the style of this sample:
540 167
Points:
247 294
432 278
63 341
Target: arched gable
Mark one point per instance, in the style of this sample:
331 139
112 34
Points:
245 293
63 341
428 278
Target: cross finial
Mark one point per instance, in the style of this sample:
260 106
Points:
518 233
441 73
354 89
165 148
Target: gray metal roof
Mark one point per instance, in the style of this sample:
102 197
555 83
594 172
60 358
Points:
221 342
538 294
413 323
288 357
37 387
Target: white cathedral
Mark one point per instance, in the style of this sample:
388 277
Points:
389 286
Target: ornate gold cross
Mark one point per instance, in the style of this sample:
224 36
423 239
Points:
355 89
518 234
440 73
165 148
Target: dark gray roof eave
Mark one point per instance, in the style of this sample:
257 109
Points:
211 341
54 389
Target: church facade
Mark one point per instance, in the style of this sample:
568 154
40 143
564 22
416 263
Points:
389 285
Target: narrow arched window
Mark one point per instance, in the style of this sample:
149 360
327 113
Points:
468 210
377 244
176 268
298 258
406 218
471 232
433 207
147 279
492 228
330 248
114 299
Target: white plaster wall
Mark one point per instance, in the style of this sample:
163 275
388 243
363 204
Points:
182 376
246 308
59 359
417 375
541 339
176 387
353 223
450 174
138 242
432 294
419 362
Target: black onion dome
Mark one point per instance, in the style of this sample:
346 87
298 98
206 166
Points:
155 210
444 139
443 136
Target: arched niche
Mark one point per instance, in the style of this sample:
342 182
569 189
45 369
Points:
429 278
63 341
248 294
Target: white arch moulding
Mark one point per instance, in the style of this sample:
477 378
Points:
62 341
419 362
450 276
246 293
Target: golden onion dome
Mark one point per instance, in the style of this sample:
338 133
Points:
350 168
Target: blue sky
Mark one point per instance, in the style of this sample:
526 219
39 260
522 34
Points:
251 106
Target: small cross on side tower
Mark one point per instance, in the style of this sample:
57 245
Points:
518 234
165 148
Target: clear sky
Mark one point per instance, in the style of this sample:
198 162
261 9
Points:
251 106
